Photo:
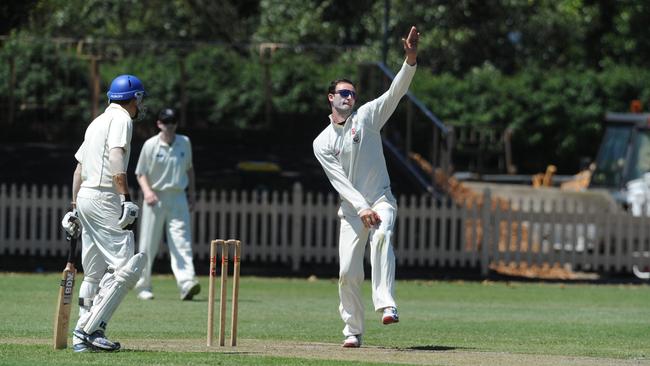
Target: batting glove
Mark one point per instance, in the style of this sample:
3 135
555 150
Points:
71 223
129 214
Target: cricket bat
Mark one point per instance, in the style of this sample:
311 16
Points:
64 302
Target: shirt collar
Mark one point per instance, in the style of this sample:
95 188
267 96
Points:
117 107
163 142
337 125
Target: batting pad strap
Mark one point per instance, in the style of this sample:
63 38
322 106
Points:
86 302
91 280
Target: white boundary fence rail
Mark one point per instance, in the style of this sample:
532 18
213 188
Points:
298 229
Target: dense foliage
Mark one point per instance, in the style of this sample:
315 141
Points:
547 69
556 114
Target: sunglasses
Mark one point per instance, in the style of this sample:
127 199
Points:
346 93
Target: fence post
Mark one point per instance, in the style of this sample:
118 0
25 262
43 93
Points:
486 232
296 219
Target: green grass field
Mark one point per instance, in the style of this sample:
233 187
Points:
296 322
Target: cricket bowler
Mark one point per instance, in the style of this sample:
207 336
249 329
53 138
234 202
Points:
350 151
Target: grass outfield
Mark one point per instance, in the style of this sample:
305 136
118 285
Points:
296 322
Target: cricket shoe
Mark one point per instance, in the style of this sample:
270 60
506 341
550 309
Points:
390 315
97 339
189 289
353 341
145 295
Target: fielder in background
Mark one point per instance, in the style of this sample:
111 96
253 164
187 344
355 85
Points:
102 207
164 172
350 151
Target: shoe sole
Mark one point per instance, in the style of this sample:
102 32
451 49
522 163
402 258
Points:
193 291
356 344
389 320
89 348
84 348
99 348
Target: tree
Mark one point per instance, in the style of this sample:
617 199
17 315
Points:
14 14
178 20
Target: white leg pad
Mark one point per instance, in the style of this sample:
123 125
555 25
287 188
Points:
112 290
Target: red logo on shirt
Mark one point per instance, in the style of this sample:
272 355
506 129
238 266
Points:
355 136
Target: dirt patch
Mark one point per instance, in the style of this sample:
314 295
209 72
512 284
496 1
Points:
425 355
544 271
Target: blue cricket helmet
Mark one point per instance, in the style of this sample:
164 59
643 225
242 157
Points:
126 87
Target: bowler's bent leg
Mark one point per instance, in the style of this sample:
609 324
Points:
382 258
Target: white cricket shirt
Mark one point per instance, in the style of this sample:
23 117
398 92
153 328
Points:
164 165
109 130
352 154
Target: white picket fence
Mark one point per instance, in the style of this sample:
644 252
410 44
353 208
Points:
300 229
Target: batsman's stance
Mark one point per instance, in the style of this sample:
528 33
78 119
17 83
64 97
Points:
350 151
101 205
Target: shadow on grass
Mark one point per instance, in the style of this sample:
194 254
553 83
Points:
433 348
208 350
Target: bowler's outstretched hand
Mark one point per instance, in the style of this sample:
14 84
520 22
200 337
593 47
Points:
411 46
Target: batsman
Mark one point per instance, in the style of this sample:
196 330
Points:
350 152
102 208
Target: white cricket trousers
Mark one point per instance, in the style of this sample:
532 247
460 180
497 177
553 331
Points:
352 243
171 213
105 246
